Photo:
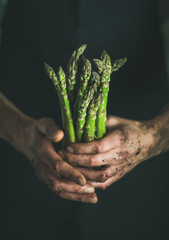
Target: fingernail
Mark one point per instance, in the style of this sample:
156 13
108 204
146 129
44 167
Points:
89 190
69 150
57 136
92 200
80 181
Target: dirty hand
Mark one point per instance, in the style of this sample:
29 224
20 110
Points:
126 144
50 168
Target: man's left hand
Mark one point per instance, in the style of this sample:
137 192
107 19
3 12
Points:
126 144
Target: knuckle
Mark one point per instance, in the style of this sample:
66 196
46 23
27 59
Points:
103 187
92 160
119 157
58 188
100 147
75 148
78 189
69 158
103 176
58 165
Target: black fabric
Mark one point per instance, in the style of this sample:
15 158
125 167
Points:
38 31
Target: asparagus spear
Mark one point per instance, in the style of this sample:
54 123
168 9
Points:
52 75
105 69
90 126
101 113
85 76
118 63
84 103
66 106
72 69
60 85
107 61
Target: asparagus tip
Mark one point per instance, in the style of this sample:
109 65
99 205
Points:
103 53
49 71
81 49
60 70
118 63
99 64
47 67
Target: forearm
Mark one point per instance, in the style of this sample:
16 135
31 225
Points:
161 123
14 125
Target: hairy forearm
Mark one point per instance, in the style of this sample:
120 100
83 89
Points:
14 124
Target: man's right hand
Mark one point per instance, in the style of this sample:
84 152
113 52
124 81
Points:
50 168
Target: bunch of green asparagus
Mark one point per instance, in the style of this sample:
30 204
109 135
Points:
84 109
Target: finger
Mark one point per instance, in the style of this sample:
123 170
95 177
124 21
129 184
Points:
64 185
60 167
47 176
101 175
112 140
83 148
110 181
49 128
113 121
114 178
86 198
114 156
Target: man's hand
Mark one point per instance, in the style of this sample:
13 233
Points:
50 168
126 144
35 139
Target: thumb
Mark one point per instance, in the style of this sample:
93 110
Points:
114 121
48 127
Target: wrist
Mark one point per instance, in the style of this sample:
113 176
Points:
14 124
159 135
24 135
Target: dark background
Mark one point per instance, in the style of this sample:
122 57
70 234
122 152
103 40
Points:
37 31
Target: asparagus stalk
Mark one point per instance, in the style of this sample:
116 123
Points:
60 86
107 61
66 106
102 110
85 76
84 103
52 75
118 63
72 69
90 126
105 68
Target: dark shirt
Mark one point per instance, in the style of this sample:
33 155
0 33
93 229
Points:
37 31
